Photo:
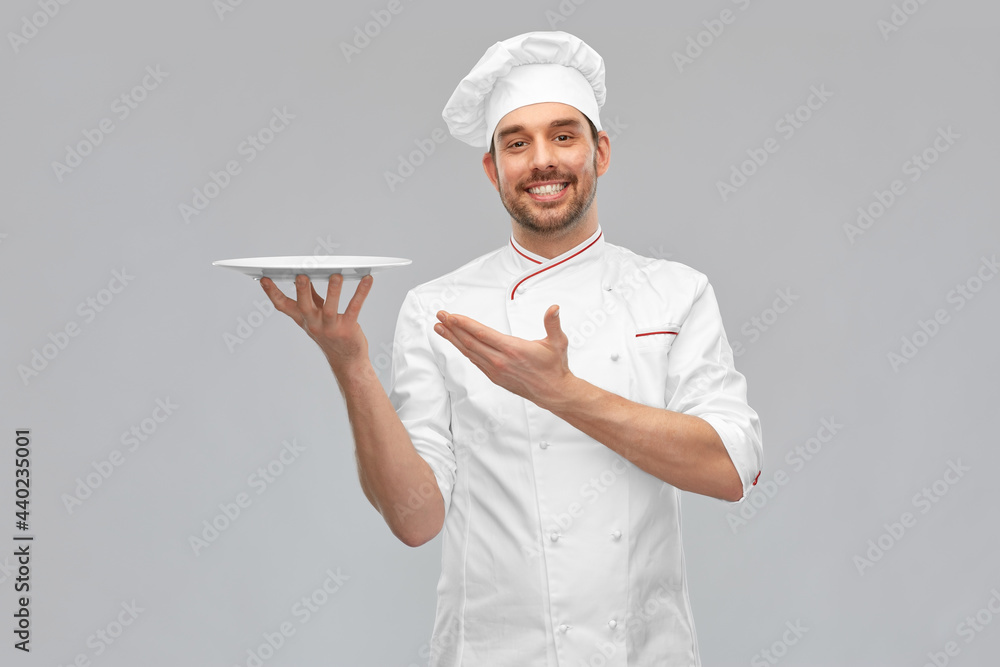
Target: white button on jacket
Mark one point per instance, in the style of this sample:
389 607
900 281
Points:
525 539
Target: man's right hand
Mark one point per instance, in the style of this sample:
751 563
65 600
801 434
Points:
338 334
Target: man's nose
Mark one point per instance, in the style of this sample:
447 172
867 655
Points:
543 156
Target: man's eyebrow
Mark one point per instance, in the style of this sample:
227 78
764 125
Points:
560 122
563 122
507 131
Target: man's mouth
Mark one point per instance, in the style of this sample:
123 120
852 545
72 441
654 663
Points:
547 191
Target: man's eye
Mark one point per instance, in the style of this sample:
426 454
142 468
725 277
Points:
564 137
516 144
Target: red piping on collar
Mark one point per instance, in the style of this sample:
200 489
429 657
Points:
532 259
551 265
653 333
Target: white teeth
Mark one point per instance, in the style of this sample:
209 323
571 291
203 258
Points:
547 189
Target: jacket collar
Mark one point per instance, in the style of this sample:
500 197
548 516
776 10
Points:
527 259
532 265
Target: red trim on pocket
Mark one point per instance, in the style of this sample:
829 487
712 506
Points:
653 333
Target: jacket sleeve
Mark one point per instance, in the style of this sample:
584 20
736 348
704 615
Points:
419 396
704 382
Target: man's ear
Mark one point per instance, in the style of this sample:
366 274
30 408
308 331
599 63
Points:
603 149
490 167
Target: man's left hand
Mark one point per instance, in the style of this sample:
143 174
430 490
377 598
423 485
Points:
537 370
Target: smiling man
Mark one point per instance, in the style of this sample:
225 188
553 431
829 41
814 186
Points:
547 421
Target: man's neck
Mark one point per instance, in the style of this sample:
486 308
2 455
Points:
548 245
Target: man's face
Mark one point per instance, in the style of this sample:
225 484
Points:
546 166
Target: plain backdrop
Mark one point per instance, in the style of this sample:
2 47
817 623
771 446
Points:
834 161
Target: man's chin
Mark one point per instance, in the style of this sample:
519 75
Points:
546 218
546 227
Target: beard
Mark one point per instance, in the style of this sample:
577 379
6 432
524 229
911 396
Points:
553 218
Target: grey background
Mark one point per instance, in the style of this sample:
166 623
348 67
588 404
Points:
320 187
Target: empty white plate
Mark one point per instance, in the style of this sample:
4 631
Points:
317 267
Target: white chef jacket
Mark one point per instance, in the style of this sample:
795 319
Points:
556 550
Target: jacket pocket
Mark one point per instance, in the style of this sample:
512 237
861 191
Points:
650 350
656 339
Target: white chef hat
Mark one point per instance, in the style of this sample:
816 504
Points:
527 69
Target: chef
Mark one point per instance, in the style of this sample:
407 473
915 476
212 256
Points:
549 399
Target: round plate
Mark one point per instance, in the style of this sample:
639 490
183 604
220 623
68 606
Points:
317 267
